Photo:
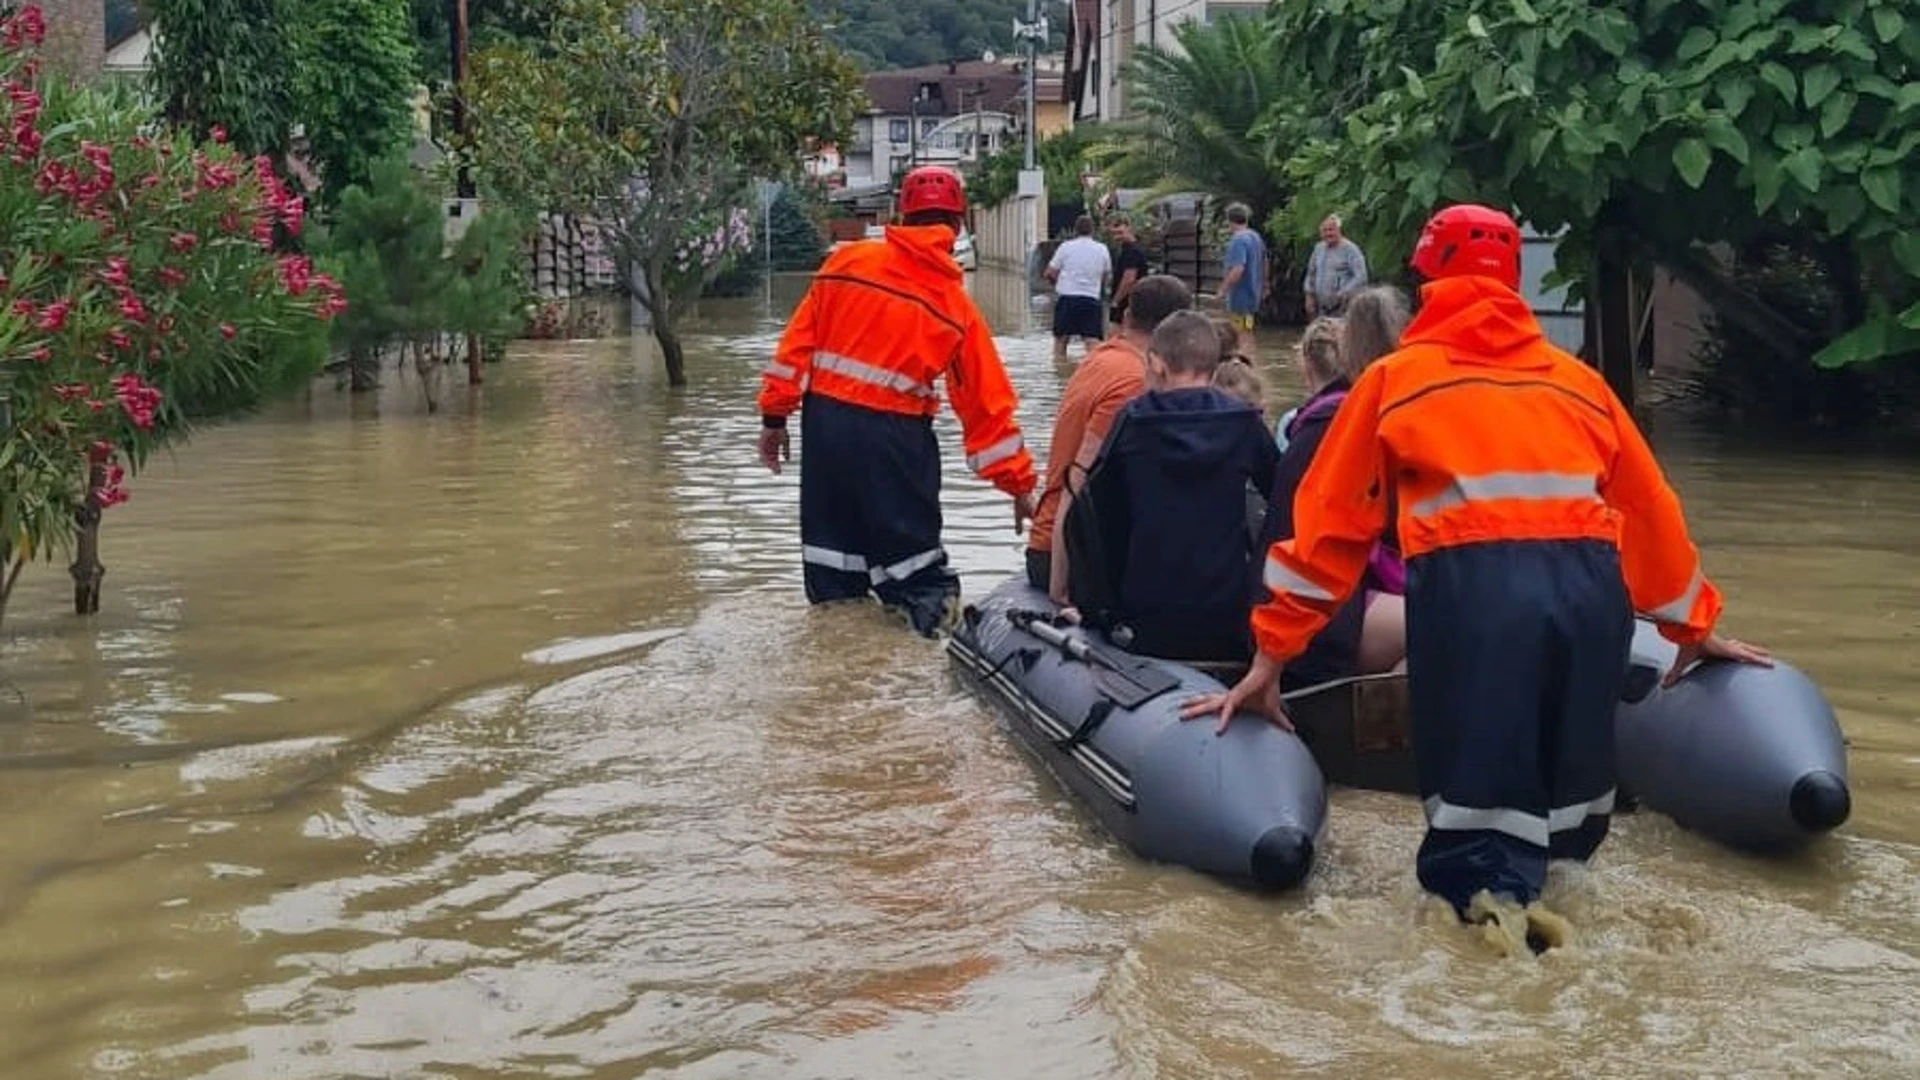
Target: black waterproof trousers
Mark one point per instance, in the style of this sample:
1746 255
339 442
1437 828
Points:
1516 652
870 510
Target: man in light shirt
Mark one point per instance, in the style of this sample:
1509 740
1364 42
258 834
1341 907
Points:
1079 272
1336 270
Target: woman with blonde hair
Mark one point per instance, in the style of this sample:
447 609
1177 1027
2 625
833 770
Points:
1371 327
1369 633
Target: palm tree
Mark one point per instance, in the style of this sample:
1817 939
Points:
1197 115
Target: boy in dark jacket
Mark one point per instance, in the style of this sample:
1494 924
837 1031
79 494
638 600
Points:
1157 535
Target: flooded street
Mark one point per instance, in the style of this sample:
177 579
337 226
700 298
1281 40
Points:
502 743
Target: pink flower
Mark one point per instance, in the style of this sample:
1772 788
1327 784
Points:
218 134
182 242
53 318
227 331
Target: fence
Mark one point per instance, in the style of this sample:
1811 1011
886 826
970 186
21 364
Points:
567 258
1003 237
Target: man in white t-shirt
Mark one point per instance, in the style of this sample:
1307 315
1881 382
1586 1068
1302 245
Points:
1079 272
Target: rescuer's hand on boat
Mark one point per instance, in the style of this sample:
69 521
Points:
1258 693
1715 647
1023 508
774 448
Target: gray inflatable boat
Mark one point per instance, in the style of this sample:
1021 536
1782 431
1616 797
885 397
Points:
1247 806
1750 757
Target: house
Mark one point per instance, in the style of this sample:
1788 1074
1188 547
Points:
952 113
1102 34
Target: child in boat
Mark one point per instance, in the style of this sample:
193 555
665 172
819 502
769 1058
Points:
1368 632
1157 537
1535 523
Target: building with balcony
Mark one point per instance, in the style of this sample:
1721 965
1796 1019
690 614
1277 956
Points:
1101 34
952 113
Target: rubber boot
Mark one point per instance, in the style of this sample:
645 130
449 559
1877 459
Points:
1510 928
1501 919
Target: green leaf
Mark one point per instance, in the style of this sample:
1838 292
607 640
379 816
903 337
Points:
1525 12
1854 44
1538 144
1698 40
1415 86
1909 97
1910 318
1878 85
1882 185
1881 336
1843 205
1906 249
1735 93
1819 82
1691 158
1835 115
1724 137
1486 87
1778 77
1887 24
1476 27
1804 166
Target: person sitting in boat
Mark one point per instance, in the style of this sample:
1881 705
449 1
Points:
1535 521
1368 633
1237 377
1156 535
1112 373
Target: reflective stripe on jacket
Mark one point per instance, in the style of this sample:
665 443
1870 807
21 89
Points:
1487 433
882 322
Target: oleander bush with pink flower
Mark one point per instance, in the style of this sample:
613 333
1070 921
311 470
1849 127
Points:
145 284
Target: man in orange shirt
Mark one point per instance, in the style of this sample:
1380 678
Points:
883 321
1110 375
1535 523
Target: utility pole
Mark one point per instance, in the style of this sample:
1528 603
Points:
457 27
1034 30
463 181
1032 188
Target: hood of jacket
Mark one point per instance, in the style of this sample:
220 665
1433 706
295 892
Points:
1477 319
929 247
1193 430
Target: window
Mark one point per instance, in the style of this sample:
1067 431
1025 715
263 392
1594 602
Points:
899 130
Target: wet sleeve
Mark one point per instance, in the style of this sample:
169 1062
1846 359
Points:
1661 565
784 379
1339 510
984 400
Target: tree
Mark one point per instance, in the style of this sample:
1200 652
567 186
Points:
1198 114
141 294
354 84
795 243
1649 130
224 64
407 287
654 119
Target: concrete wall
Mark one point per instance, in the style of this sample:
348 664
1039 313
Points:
76 36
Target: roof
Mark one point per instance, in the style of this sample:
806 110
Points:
999 85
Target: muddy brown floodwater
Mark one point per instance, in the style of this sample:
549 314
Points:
502 743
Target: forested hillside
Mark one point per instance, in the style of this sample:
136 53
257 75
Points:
902 33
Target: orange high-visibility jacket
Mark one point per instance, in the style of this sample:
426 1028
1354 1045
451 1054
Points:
1485 432
882 321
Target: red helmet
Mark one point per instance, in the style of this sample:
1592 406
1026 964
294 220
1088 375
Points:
1469 239
931 187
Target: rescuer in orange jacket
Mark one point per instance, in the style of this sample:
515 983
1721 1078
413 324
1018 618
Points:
1534 522
882 322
